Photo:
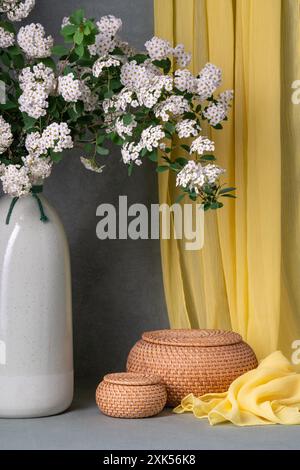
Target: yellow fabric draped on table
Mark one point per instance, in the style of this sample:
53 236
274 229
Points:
247 276
269 394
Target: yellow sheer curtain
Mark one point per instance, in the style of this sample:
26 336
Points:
247 275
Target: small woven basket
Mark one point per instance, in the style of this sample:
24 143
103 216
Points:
130 395
192 361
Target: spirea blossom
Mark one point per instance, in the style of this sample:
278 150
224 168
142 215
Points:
36 83
33 144
209 80
17 10
182 58
184 80
158 48
124 130
174 105
194 176
105 41
7 39
32 40
215 113
201 145
6 136
57 137
134 76
187 128
131 153
15 180
104 62
69 88
149 95
38 168
151 137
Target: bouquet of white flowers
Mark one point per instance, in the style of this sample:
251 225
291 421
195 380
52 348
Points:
99 89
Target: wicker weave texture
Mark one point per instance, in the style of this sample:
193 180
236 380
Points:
193 369
127 397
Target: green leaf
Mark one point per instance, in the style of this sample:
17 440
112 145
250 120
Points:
14 50
79 49
193 196
59 50
18 61
168 150
5 59
127 119
48 62
181 161
189 115
153 156
208 158
7 26
167 159
170 127
162 168
185 147
102 150
29 122
164 64
216 205
139 58
218 126
226 190
130 169
88 148
56 156
69 30
108 94
100 139
78 37
77 16
198 108
179 198
206 206
229 195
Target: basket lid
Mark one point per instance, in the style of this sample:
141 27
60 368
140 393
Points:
130 378
187 337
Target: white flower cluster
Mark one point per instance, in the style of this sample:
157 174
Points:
31 38
106 40
174 105
148 96
159 49
37 84
7 39
208 81
201 145
104 62
184 80
131 153
136 76
215 114
182 58
124 130
151 137
37 168
6 136
17 10
69 88
15 180
194 176
57 137
118 102
187 128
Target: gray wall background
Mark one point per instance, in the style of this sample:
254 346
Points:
117 284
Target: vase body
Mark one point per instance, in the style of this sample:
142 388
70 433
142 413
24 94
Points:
36 350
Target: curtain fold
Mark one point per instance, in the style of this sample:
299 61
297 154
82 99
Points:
247 275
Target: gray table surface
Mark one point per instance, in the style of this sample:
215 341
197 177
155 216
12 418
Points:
84 427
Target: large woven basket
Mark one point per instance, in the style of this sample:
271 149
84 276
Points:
129 395
192 361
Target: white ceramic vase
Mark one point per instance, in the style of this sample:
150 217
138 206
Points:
36 350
